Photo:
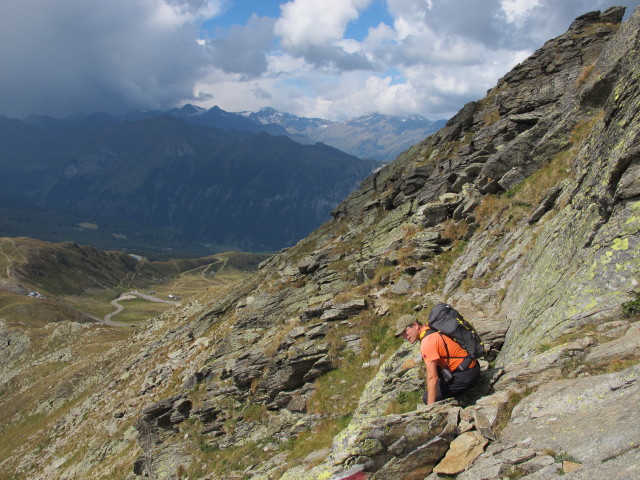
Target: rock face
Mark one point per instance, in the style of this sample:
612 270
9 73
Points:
522 212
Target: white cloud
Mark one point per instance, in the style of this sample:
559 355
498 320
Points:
306 23
434 57
429 57
314 30
516 11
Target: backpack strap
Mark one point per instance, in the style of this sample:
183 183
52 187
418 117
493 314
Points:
467 359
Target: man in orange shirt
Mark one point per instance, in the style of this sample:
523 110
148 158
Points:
450 371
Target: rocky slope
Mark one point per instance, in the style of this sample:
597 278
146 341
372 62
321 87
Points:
523 211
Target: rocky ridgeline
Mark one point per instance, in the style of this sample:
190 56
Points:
523 212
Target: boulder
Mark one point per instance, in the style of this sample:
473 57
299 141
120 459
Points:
589 418
510 179
629 185
433 213
623 348
416 464
462 452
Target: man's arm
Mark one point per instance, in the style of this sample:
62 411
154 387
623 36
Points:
432 382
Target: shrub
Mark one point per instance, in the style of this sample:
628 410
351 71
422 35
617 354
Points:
586 73
631 308
454 230
254 412
564 457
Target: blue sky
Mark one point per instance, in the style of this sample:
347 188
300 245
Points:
319 58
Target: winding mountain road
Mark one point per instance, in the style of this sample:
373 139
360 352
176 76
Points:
126 296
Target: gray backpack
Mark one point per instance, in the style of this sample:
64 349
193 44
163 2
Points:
448 321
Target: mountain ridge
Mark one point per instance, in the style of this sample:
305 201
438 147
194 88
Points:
374 135
250 190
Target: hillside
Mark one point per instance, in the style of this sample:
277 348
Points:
54 301
19 219
219 189
522 212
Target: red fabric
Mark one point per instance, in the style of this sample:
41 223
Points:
357 476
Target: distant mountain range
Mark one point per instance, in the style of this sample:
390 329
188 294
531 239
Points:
381 137
374 136
177 175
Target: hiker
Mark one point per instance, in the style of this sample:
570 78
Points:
450 370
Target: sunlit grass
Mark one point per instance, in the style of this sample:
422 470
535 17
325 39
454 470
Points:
137 309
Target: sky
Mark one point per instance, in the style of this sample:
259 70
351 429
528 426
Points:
333 59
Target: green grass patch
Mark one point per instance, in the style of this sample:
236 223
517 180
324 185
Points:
321 436
382 337
138 310
337 392
94 302
377 332
405 402
545 346
219 463
514 473
615 365
442 264
254 412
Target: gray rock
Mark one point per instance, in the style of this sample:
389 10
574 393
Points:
433 213
623 348
545 473
629 185
547 203
486 412
416 465
622 466
463 179
345 310
541 368
537 463
402 286
310 264
589 418
485 468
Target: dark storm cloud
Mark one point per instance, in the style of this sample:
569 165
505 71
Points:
243 49
65 56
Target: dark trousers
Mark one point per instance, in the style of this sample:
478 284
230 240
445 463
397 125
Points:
460 382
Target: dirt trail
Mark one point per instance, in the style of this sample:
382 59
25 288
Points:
9 259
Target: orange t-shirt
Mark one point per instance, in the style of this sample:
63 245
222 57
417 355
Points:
432 348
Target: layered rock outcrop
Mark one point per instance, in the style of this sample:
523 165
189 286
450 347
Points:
522 211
